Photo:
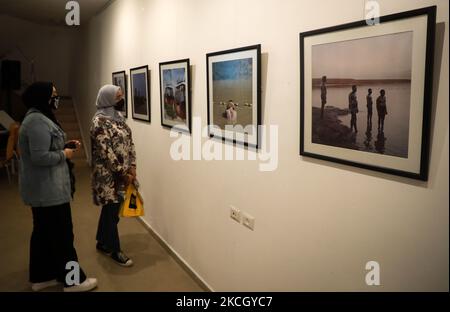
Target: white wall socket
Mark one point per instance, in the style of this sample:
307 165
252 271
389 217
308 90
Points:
235 214
248 221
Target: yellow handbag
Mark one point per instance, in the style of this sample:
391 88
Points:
133 205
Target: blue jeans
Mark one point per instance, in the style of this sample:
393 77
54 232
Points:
107 232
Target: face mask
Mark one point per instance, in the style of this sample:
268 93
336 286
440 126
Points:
120 105
54 102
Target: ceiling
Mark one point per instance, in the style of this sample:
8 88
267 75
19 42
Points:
50 12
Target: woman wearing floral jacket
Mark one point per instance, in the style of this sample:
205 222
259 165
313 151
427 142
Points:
114 168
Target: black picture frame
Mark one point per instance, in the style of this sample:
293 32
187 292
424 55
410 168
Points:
122 74
423 24
252 52
180 118
139 114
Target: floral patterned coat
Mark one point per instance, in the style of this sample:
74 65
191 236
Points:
113 155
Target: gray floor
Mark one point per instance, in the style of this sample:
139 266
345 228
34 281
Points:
154 269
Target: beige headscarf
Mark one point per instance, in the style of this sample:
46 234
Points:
106 100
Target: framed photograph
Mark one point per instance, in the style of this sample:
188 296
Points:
140 93
366 93
234 97
120 79
175 86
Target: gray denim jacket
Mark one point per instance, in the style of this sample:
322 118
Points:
44 175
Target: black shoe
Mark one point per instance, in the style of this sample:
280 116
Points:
103 249
122 259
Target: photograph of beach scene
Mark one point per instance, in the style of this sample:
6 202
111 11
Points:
139 85
361 92
232 93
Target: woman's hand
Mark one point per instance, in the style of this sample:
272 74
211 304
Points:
131 175
68 152
132 172
129 178
75 143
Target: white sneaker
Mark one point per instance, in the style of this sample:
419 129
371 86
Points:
89 284
43 285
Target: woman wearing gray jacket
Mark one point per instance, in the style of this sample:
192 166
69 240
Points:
45 186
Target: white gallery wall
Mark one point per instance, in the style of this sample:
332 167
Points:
50 47
317 223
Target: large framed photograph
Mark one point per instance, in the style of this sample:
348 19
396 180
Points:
120 79
366 93
174 79
140 93
234 97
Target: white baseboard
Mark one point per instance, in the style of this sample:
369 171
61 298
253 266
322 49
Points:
178 258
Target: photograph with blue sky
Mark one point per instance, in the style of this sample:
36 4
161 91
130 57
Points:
233 83
233 70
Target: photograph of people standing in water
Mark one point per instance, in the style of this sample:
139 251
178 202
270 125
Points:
361 92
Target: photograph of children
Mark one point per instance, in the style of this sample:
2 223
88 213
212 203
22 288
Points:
234 98
232 93
175 99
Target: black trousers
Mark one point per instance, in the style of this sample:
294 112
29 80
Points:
51 246
381 121
353 122
107 232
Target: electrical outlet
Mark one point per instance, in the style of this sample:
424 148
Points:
235 214
248 221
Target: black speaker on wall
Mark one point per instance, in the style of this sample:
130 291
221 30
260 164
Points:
10 78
